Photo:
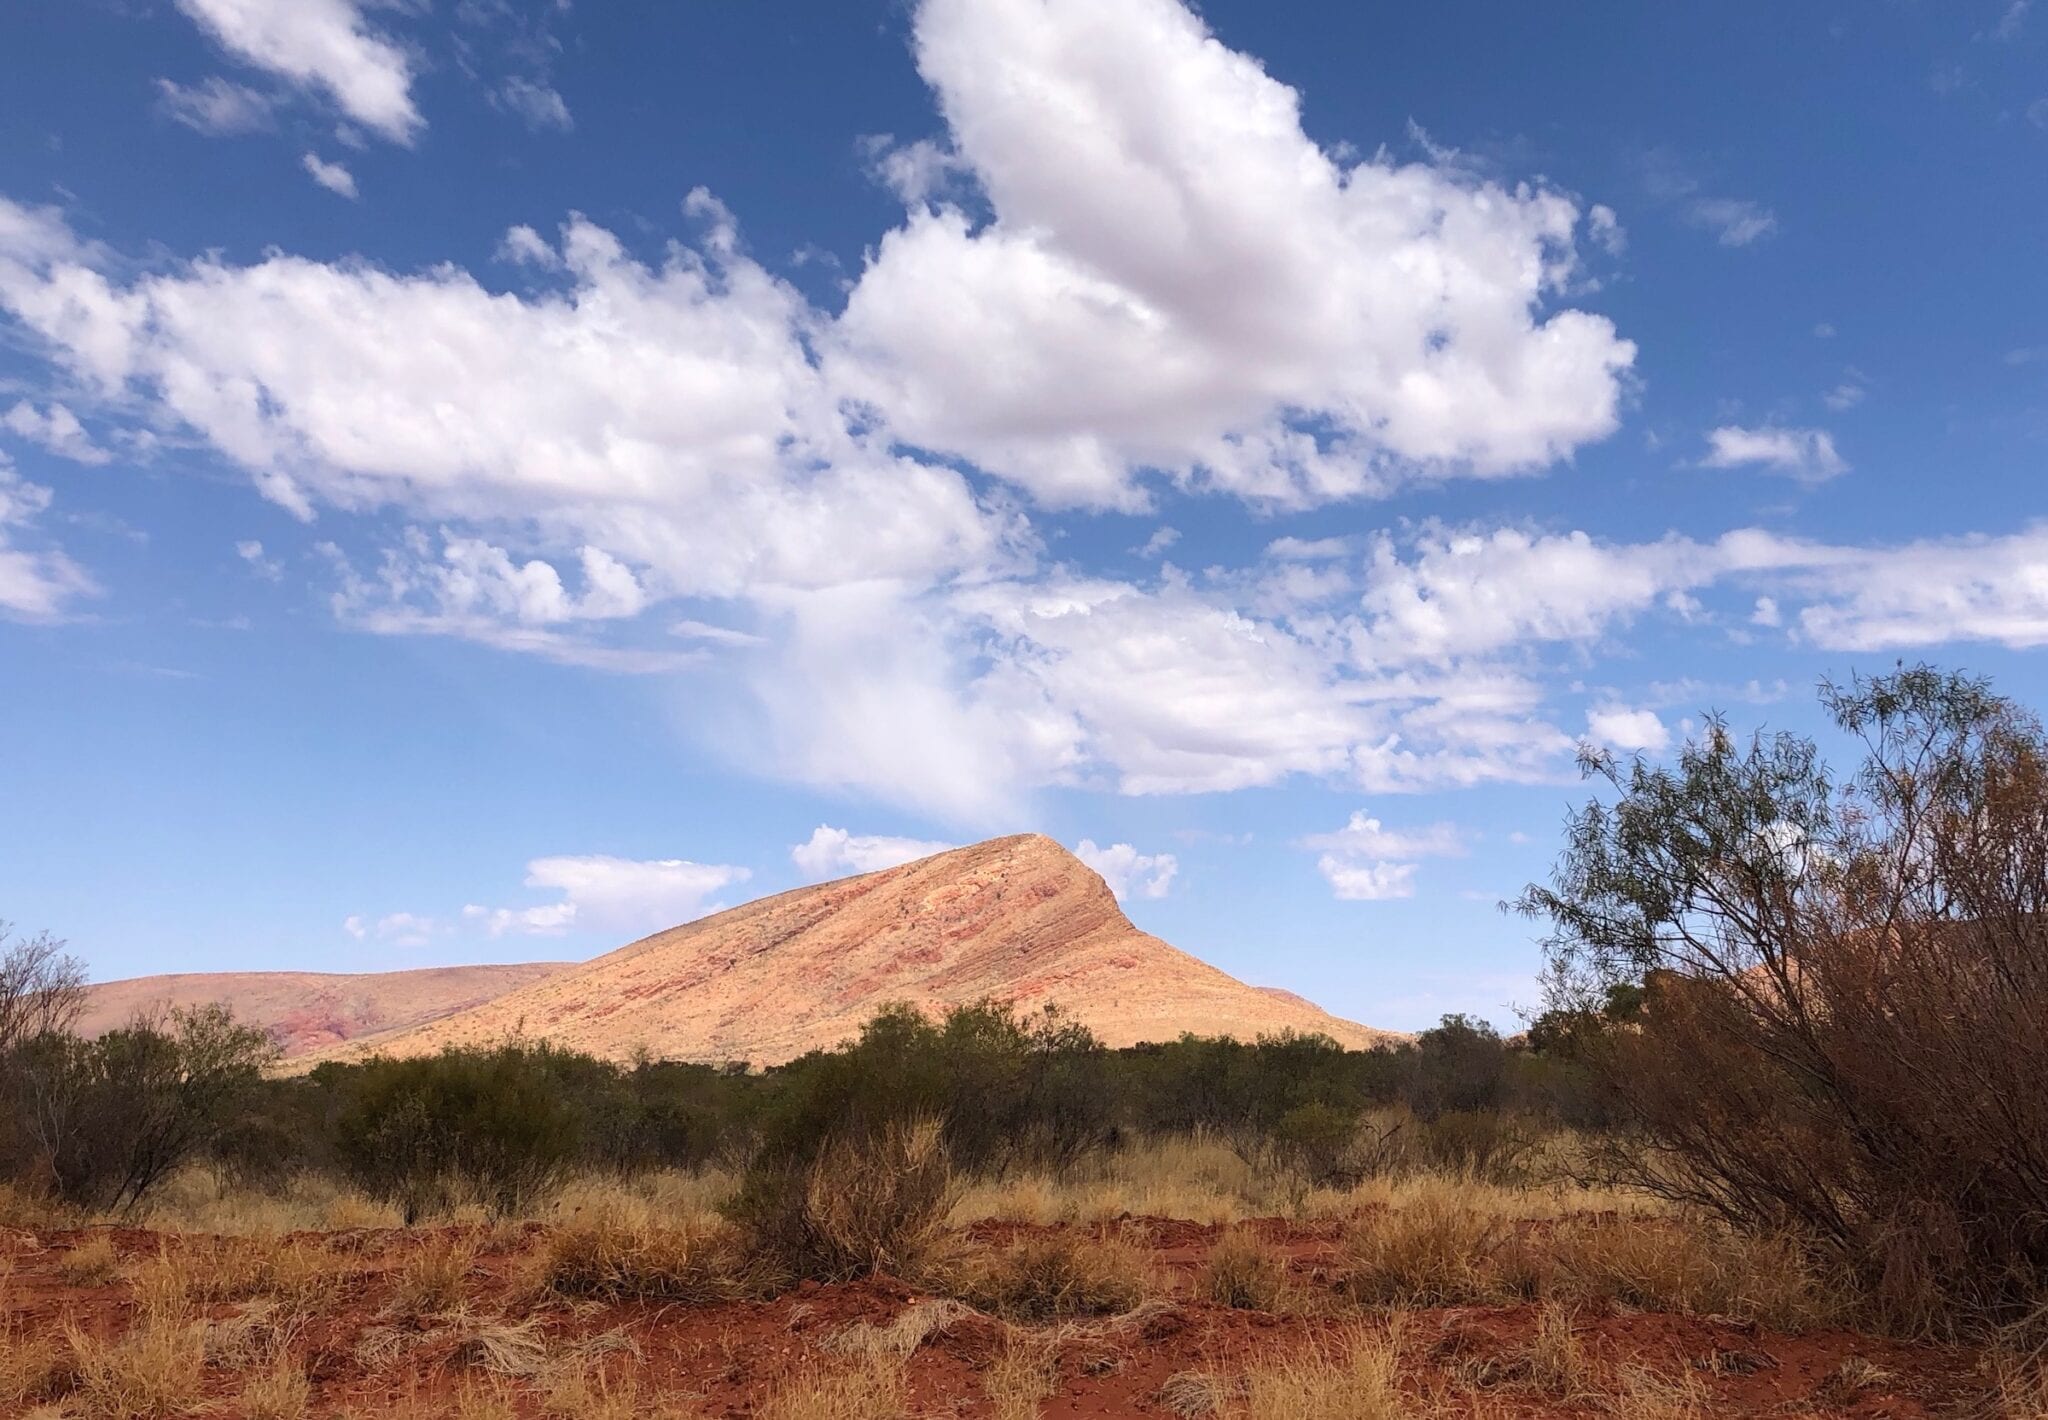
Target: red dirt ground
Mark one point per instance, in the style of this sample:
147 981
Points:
728 1356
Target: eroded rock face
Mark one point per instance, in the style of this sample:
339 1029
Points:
1018 918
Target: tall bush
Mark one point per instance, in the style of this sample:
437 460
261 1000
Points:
492 1125
104 1121
1842 1028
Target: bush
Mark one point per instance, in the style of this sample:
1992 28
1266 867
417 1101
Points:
490 1126
1002 1090
867 1202
1841 1032
100 1123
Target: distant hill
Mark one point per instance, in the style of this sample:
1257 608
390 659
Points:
306 1010
1019 919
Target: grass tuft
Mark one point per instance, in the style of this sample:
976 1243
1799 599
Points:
1246 1272
1060 1275
155 1371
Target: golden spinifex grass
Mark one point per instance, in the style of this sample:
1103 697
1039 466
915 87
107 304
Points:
154 1371
1060 1275
626 1258
1245 1270
870 1387
1351 1375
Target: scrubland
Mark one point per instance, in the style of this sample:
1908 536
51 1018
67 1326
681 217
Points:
1166 1277
1776 1148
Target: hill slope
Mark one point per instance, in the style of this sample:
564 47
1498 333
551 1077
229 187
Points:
1016 918
307 1010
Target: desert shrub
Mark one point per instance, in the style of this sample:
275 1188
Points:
102 1122
1002 1089
1436 1252
1841 1032
1459 1065
484 1125
1314 1142
1059 1275
1244 1271
867 1201
1483 1144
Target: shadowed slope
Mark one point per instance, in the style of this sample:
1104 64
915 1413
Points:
1019 919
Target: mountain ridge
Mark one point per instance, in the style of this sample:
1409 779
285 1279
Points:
1017 919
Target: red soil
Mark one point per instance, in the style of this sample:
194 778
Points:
728 1356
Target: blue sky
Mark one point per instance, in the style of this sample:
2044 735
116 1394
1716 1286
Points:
482 479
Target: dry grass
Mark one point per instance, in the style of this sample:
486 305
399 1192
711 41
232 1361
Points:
578 1390
300 1275
433 1277
278 1392
880 1206
199 1200
34 1368
490 1401
619 1257
1452 1247
501 1347
1352 1376
901 1337
1437 1253
92 1263
1558 1365
1060 1275
1650 1395
657 1196
1247 1272
1201 1179
154 1372
1022 1375
1673 1266
871 1388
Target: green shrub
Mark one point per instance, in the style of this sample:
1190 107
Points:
488 1125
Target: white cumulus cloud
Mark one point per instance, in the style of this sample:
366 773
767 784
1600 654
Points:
833 852
1128 872
1366 861
1618 727
216 107
35 584
1179 278
326 45
622 896
332 176
1808 455
57 429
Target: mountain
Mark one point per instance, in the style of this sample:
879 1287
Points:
1019 919
306 1010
